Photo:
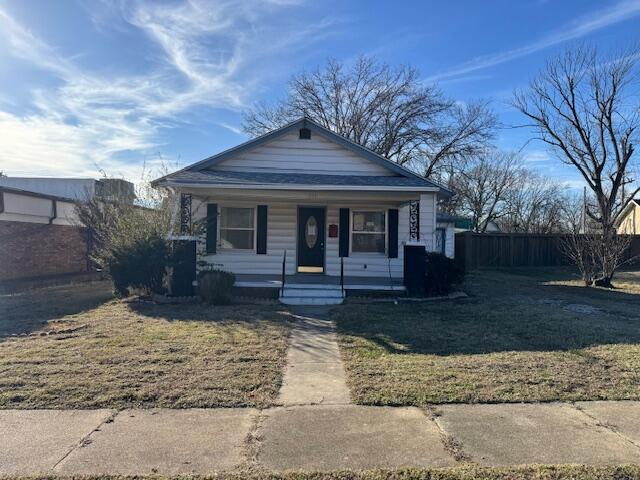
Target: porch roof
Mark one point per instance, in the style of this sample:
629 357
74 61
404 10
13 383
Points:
294 180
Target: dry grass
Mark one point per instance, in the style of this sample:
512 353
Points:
108 353
539 472
519 337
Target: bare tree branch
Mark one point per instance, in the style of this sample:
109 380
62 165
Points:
388 110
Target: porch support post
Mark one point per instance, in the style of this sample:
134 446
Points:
428 220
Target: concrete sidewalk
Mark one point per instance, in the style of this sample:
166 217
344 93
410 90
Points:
319 437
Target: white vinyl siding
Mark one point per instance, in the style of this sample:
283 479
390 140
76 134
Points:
289 154
450 239
282 235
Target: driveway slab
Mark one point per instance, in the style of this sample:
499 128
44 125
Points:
623 416
166 442
349 437
512 434
33 441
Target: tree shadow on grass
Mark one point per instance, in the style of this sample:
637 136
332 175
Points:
201 312
539 319
29 311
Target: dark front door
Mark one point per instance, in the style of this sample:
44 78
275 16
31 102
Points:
311 222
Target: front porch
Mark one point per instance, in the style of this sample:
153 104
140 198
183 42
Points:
317 289
350 282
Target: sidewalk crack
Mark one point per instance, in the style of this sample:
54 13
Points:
253 442
86 440
451 444
604 425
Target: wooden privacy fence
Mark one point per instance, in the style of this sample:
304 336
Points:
507 250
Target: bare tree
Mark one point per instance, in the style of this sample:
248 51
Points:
582 106
533 205
483 187
388 110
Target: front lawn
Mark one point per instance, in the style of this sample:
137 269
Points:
524 336
74 347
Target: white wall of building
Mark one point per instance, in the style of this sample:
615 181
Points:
28 208
73 188
282 235
290 154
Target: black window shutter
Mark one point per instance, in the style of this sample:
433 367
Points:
212 227
261 240
393 232
343 248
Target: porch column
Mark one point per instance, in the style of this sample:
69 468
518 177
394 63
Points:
428 220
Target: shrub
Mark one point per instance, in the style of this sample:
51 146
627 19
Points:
128 241
138 264
441 274
215 286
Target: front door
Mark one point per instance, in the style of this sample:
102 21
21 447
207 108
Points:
311 222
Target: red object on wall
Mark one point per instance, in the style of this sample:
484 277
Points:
333 230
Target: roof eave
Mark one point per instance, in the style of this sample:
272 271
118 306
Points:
254 186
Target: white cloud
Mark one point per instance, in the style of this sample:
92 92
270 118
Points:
212 53
579 28
537 156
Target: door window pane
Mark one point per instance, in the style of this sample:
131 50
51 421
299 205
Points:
311 232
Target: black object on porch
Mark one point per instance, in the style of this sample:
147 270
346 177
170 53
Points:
183 261
415 263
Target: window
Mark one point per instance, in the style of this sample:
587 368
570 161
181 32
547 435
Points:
441 240
237 228
368 232
305 134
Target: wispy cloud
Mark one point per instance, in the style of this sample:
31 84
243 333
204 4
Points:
212 55
579 28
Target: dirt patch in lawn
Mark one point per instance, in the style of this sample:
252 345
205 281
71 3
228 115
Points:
516 338
138 354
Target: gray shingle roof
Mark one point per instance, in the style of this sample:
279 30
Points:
275 179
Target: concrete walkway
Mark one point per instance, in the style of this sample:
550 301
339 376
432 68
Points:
320 437
314 374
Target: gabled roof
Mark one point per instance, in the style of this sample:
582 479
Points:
303 122
634 202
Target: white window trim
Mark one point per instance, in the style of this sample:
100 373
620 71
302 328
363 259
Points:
385 211
255 229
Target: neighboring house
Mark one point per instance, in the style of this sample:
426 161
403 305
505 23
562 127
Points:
73 188
629 220
465 224
40 236
339 212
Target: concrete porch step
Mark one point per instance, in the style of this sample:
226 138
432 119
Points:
311 300
311 294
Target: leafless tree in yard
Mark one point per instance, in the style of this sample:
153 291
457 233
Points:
483 187
533 205
586 108
388 110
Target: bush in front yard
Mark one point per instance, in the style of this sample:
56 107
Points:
215 286
442 273
138 264
129 240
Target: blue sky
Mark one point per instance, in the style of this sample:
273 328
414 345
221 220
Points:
90 85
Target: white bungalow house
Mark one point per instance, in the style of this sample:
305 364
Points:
308 212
